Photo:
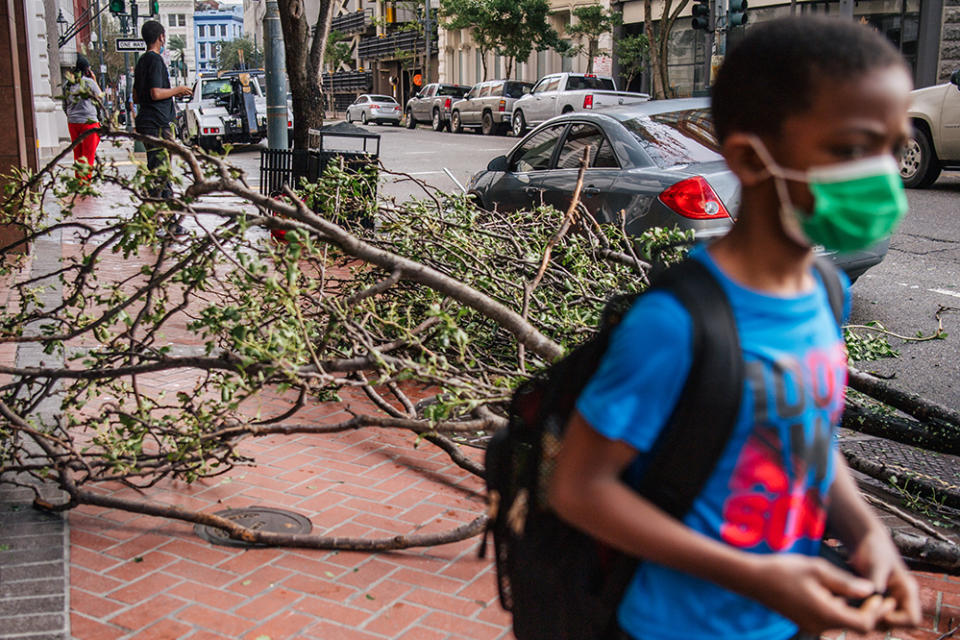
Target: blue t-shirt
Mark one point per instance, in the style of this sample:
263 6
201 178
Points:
769 489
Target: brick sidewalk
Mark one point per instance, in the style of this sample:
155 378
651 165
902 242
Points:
134 576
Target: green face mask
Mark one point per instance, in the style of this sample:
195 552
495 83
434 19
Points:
855 204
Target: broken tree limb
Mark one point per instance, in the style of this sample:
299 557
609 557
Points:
936 489
910 403
857 417
914 522
939 554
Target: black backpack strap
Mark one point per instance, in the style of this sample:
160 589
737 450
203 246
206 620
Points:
689 447
830 276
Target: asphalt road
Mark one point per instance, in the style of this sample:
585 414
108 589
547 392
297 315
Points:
919 278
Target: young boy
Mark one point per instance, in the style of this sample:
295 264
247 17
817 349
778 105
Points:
808 113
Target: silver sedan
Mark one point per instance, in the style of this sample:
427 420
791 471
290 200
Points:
374 108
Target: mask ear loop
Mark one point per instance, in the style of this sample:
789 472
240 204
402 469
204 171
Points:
789 215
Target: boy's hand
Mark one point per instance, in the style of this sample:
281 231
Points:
813 593
876 558
184 90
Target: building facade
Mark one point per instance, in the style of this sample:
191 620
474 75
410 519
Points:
927 32
210 29
176 16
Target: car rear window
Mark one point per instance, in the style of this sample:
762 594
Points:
213 88
577 83
516 89
676 137
386 99
449 90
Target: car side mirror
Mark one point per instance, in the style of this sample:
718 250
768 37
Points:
498 164
955 78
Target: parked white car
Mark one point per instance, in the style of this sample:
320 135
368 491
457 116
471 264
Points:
374 108
560 93
935 145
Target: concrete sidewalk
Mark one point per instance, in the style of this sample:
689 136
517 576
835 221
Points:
124 575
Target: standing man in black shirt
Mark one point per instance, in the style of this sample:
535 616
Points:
151 90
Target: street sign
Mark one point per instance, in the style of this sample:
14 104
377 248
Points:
130 44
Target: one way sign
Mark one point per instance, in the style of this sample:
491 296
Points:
130 44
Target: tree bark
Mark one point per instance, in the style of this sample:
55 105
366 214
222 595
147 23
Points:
910 403
916 434
943 555
304 57
656 78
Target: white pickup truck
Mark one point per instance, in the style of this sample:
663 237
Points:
564 92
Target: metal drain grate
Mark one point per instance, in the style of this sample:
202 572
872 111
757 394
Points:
940 470
258 518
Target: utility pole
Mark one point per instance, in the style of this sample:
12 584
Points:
276 78
428 31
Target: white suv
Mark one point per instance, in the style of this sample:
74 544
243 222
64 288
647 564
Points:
935 145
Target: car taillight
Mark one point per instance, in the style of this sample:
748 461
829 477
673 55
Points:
374 106
447 103
289 123
588 101
502 106
589 75
694 198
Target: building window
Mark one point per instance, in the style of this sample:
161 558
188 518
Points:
223 30
200 31
172 19
541 64
182 19
460 77
566 62
479 66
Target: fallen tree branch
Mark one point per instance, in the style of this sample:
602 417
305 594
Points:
856 417
910 403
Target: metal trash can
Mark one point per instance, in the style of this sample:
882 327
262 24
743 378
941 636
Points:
356 147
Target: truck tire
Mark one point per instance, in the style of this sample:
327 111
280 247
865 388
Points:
437 121
411 121
519 124
919 166
488 126
455 125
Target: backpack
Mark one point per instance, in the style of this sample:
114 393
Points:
558 582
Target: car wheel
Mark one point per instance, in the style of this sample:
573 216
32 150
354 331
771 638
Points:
487 126
348 118
363 117
455 125
519 124
437 122
411 123
919 166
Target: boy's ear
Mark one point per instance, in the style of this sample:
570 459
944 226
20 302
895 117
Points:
742 158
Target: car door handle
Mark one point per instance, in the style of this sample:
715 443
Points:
590 191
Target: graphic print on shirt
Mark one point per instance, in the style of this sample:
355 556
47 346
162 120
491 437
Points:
777 488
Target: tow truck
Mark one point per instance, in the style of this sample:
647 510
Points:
226 108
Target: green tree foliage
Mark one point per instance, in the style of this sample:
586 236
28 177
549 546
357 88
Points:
512 28
632 52
592 22
339 52
229 56
178 61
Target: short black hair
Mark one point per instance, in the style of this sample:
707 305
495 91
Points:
151 31
83 65
776 69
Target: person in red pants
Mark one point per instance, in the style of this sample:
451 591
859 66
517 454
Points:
82 112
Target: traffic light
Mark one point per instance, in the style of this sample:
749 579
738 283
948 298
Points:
117 7
154 8
737 16
701 15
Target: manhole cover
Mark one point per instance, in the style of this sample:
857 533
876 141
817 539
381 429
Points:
258 518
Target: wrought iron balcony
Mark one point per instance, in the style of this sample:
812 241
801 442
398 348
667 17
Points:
388 46
355 22
348 81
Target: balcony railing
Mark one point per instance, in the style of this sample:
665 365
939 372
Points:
348 81
355 22
388 46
